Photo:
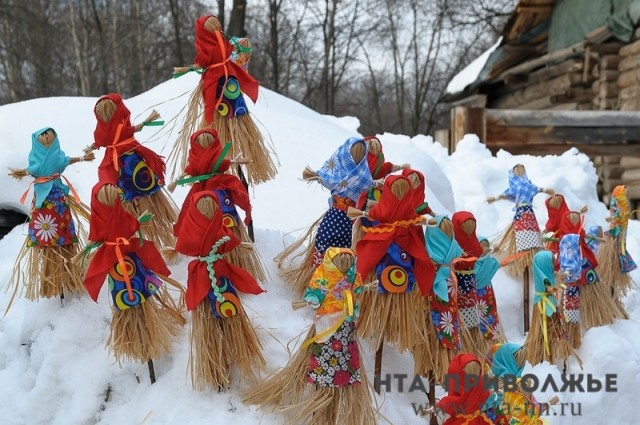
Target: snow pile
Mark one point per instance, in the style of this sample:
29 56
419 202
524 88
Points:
54 368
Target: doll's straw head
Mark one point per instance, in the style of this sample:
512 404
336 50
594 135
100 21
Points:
105 109
358 151
207 206
414 179
108 194
204 139
519 170
400 188
468 226
485 244
473 368
556 201
373 144
446 226
212 24
344 261
574 217
47 137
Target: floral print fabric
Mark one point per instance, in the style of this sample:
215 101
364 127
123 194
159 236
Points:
52 223
336 363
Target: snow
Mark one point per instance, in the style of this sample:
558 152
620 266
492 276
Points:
471 72
55 369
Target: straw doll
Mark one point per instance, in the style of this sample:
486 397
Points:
218 98
570 266
442 323
379 170
43 265
324 382
557 210
547 339
522 238
614 259
507 361
464 228
485 269
135 169
468 403
144 316
207 169
221 333
393 253
346 174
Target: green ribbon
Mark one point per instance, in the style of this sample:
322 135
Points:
210 260
375 172
422 207
236 43
153 123
87 249
214 169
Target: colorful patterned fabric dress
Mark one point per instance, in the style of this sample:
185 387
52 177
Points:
335 357
620 211
51 222
525 225
443 299
571 264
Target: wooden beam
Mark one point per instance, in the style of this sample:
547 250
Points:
629 78
631 49
567 52
510 117
556 149
534 8
467 120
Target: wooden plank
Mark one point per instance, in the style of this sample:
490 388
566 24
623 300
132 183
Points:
566 135
510 117
542 74
607 48
630 49
558 149
607 74
608 104
631 174
629 63
629 78
630 162
629 104
609 62
466 120
565 53
629 93
610 170
598 35
443 136
608 90
557 85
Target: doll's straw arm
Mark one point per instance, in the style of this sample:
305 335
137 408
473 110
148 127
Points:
88 156
172 186
297 305
356 213
18 173
309 175
152 119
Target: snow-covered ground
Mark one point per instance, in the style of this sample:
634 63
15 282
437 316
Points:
55 369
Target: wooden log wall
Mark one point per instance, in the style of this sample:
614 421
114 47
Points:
628 80
605 71
562 86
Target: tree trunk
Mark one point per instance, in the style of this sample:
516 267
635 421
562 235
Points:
236 23
175 17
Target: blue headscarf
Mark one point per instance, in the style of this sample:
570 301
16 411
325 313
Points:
504 361
520 190
571 257
592 234
485 268
342 176
543 271
44 162
442 250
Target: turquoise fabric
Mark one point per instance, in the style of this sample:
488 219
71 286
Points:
543 272
442 250
504 361
44 162
485 268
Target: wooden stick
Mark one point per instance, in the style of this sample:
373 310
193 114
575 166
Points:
152 372
526 299
246 186
431 397
378 366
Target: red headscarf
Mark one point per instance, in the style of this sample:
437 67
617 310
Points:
199 236
555 214
418 192
112 224
460 403
201 161
377 165
469 243
374 245
213 53
118 134
567 227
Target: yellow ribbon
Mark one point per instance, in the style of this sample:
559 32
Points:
348 309
542 304
388 228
